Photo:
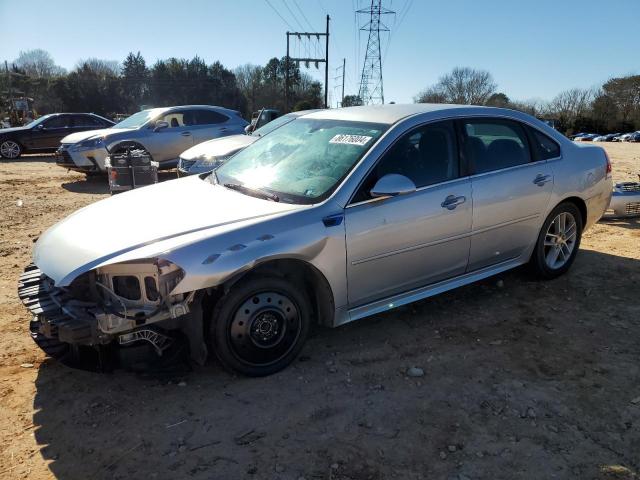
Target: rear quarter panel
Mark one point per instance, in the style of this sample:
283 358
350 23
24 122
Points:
582 172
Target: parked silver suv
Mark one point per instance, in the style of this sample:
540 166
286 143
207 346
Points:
164 132
333 217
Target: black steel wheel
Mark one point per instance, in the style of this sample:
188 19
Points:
260 326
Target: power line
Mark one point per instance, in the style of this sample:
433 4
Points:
408 4
295 2
293 15
278 13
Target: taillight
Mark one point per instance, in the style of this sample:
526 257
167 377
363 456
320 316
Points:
606 156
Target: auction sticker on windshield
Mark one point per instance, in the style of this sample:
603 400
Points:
360 140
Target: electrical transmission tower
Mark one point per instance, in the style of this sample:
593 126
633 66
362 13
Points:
371 87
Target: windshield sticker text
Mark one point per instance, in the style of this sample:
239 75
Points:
360 140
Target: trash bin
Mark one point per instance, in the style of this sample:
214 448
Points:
130 169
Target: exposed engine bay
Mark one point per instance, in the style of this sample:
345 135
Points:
112 307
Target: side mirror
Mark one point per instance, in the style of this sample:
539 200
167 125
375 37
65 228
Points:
392 185
248 129
40 126
160 125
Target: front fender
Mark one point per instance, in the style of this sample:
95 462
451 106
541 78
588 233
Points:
301 236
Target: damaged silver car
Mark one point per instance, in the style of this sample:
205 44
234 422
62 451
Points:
625 201
333 217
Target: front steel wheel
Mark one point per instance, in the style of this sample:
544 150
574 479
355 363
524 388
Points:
558 241
260 326
10 149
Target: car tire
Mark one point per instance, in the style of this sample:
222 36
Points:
260 326
10 149
558 242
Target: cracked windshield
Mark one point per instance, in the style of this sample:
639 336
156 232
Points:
305 158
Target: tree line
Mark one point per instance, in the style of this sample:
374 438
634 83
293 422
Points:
612 107
110 87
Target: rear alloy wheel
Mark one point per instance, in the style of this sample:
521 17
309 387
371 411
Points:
10 149
260 326
558 241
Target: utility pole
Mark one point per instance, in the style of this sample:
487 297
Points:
286 78
301 36
326 69
371 87
340 76
344 64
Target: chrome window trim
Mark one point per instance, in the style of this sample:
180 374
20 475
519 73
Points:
404 125
507 169
421 189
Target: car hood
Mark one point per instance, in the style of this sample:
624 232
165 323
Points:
81 136
218 147
150 220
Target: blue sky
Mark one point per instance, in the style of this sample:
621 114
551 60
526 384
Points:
534 49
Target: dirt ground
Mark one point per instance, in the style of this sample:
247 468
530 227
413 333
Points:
522 379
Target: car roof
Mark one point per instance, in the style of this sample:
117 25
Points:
206 107
392 113
301 113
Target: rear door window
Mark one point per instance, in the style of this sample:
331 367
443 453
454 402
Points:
543 146
85 121
494 144
59 121
209 117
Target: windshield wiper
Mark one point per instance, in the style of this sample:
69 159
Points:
242 188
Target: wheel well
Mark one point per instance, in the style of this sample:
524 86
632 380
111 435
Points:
301 273
582 207
13 140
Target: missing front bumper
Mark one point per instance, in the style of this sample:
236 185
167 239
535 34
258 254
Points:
72 337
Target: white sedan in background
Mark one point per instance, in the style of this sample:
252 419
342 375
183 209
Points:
211 154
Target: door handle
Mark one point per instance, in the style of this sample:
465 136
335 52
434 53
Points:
540 179
452 202
186 134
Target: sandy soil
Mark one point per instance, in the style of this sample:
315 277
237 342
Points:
522 379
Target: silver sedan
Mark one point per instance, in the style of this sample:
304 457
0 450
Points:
334 217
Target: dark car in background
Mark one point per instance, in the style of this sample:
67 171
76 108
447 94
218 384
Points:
44 134
634 137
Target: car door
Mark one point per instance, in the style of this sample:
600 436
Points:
83 122
48 134
166 144
511 189
403 242
210 124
